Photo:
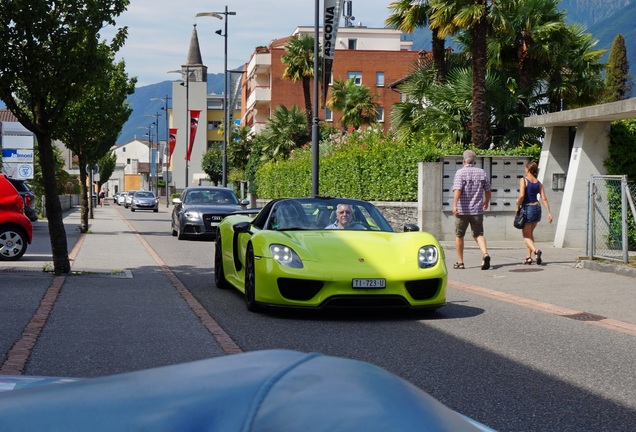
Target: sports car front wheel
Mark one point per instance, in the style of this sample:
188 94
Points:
250 280
219 274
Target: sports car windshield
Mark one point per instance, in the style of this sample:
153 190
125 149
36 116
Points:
322 214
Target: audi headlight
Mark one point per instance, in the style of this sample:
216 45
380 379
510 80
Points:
427 256
286 256
192 215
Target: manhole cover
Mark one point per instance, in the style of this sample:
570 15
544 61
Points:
585 316
526 270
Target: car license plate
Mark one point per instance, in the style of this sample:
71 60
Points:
369 283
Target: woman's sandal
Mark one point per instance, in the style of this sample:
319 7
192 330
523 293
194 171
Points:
485 264
459 265
528 261
538 254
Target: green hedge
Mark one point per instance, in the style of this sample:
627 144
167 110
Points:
366 165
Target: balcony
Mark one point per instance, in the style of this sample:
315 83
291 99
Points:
260 63
260 94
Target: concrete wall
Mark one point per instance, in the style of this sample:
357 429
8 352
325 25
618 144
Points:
441 222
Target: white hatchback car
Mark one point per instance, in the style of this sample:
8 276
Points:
121 198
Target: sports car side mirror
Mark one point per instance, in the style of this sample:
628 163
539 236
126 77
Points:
242 227
245 203
411 228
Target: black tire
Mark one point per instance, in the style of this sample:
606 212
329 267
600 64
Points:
172 230
180 234
13 243
250 280
219 273
156 210
132 209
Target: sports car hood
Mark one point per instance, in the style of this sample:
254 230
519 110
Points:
375 248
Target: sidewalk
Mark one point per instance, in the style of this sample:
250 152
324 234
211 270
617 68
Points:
566 279
117 308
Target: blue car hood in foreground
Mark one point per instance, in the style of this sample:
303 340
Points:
274 390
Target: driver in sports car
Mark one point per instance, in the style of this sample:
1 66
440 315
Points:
344 219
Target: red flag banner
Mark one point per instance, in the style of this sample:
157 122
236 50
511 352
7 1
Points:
172 142
194 123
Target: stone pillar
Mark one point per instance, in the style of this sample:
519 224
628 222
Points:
591 148
429 197
555 159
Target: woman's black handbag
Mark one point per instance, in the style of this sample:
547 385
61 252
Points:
520 218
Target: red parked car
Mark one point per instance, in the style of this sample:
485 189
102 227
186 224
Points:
16 230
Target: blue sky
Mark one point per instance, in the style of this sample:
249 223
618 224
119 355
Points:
159 31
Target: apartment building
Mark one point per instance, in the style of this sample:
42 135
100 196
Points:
374 57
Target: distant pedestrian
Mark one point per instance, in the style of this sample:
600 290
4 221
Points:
102 198
530 189
471 197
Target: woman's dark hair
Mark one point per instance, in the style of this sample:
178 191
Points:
532 167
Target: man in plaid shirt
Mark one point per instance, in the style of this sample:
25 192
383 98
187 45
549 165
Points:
470 186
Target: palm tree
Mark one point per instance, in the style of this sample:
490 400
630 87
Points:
575 77
407 15
299 61
525 45
452 16
284 132
355 102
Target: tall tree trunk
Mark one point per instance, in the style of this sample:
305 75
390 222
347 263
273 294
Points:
84 193
525 71
479 113
57 232
308 108
439 55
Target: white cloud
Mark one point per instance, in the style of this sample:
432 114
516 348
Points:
159 31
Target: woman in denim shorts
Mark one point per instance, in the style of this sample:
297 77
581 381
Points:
530 189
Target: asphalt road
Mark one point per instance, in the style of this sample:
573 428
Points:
511 366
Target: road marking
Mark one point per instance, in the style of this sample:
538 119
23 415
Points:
222 338
586 317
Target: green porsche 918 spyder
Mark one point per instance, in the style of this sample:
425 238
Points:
328 252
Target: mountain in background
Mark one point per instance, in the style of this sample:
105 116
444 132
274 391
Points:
591 12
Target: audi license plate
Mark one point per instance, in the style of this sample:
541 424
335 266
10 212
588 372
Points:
369 283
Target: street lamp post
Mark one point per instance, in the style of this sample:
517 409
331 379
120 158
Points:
167 163
152 163
149 135
186 83
226 110
315 128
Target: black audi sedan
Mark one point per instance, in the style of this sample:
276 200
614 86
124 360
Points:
199 209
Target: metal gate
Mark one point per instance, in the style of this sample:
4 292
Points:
611 218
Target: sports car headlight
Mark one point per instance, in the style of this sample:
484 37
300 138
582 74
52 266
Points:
192 215
427 256
285 256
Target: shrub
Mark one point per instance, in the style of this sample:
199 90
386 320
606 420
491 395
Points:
362 164
622 161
